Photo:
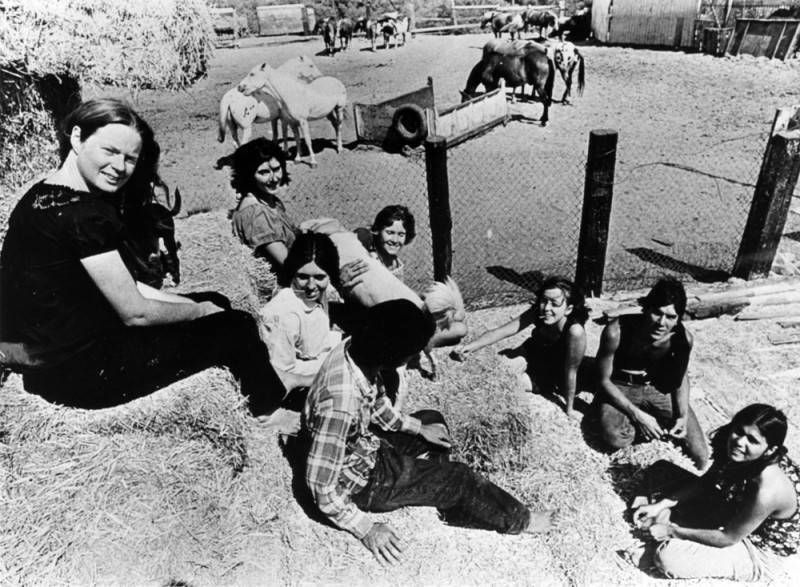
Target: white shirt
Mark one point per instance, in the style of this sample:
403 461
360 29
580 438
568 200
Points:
298 337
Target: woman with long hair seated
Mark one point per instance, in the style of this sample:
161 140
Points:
295 323
741 514
94 337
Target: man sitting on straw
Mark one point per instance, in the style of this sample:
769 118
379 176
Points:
642 367
352 465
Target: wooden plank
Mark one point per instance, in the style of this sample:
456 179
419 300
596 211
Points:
480 113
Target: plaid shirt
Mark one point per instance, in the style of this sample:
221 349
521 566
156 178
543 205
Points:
340 407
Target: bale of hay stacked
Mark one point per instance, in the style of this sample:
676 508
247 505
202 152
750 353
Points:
50 50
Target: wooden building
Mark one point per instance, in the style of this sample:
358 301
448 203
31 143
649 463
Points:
285 19
657 23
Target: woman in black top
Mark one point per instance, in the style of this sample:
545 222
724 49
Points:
95 337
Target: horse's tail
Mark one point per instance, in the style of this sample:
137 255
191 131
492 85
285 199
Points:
548 86
224 117
580 72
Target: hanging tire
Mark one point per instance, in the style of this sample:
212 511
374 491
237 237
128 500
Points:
409 123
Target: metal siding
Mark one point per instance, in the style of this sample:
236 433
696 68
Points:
652 22
600 19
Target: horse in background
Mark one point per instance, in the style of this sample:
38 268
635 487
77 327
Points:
566 58
502 22
544 20
370 28
238 112
344 29
516 63
327 28
393 28
299 102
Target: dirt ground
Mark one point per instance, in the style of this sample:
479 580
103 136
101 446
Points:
692 130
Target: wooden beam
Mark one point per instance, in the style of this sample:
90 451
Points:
773 195
441 220
597 195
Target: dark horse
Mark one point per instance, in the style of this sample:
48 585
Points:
517 64
345 28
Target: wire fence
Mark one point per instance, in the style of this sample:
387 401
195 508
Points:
681 214
516 207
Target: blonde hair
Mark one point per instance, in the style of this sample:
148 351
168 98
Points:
443 300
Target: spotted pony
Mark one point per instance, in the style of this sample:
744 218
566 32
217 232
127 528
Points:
566 57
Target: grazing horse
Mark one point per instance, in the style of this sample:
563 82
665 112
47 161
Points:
238 113
566 57
517 63
370 28
578 26
393 28
542 19
344 27
299 102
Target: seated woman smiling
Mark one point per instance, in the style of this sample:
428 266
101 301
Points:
295 323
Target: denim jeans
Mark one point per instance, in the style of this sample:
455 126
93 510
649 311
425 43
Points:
132 362
409 471
618 431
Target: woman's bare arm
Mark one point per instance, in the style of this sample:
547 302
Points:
576 348
112 278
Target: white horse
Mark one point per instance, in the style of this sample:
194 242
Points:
299 102
238 112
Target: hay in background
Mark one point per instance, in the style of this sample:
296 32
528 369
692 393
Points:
163 44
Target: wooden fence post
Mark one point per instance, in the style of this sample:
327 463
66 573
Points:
441 220
597 194
773 195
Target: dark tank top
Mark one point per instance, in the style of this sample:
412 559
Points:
665 372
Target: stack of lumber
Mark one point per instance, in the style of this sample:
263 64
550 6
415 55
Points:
774 299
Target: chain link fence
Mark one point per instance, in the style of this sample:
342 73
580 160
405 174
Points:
681 214
516 207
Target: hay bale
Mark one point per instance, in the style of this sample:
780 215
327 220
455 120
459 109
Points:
162 44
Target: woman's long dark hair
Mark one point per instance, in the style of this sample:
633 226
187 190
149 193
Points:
771 423
308 247
96 113
245 160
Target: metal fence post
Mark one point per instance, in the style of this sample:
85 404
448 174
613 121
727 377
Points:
439 206
773 195
597 194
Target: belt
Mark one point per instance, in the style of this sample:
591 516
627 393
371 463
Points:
630 378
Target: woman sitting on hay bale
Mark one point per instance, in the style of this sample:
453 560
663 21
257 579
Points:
295 323
555 349
741 515
91 336
258 174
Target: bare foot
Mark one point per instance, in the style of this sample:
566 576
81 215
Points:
282 421
540 521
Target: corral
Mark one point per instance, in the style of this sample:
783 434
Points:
689 152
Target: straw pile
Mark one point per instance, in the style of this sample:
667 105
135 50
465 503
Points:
145 44
49 50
